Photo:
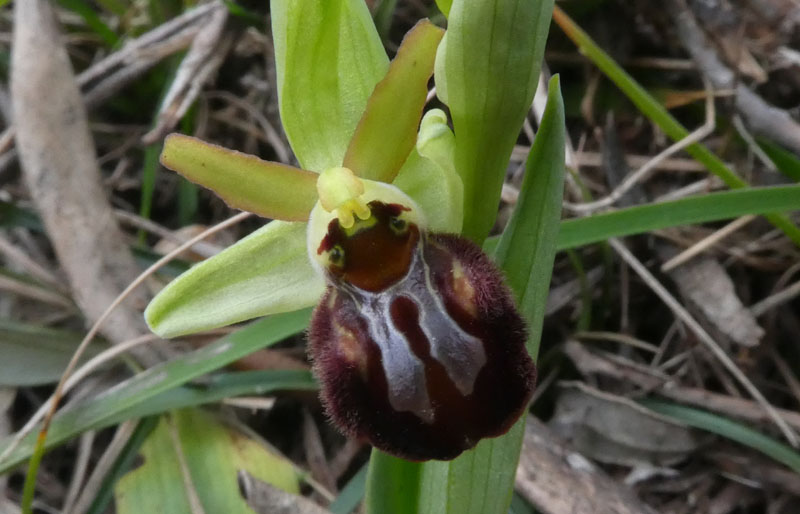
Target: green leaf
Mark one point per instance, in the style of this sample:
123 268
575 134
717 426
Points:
686 211
481 480
429 176
328 58
156 485
244 181
352 493
213 455
129 396
267 272
122 464
218 387
527 247
729 429
656 112
487 72
387 131
34 355
786 161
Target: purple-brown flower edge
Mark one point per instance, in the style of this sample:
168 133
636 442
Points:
417 343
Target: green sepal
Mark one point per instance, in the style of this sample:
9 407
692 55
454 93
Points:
265 273
488 74
328 58
388 129
429 176
269 189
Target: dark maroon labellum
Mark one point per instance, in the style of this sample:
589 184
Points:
417 342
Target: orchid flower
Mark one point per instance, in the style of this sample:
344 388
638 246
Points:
416 340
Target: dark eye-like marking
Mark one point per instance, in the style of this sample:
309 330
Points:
398 225
336 257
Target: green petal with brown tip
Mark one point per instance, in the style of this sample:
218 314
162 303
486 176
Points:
388 129
269 189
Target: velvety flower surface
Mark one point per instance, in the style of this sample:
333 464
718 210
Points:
417 342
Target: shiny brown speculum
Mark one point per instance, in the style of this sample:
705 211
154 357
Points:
417 343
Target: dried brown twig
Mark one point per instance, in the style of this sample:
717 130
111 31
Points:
763 118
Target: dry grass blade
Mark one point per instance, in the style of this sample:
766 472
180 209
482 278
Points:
705 338
706 243
208 50
101 469
13 253
779 298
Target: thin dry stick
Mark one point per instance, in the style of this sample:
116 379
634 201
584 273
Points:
55 398
81 465
270 133
751 142
251 402
634 178
618 338
704 337
115 447
776 299
701 186
706 243
202 248
35 292
13 253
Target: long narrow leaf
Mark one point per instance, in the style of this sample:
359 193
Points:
686 211
482 480
35 355
729 429
105 409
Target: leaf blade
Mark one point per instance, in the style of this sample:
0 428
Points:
686 211
106 409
